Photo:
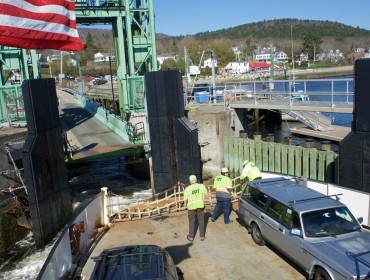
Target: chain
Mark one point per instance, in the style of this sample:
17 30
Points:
8 172
15 189
17 171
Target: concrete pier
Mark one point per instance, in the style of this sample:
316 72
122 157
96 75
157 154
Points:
213 123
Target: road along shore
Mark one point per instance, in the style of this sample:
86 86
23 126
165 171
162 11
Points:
309 73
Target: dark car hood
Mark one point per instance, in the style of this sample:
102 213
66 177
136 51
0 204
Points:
348 253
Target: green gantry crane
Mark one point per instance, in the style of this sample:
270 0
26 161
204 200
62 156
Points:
132 23
134 42
14 69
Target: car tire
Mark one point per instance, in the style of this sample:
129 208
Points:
257 235
321 274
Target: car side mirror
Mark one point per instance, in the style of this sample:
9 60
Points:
360 220
296 231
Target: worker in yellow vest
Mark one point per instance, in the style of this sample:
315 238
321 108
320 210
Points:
194 195
250 171
224 192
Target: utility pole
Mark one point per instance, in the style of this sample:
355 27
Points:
272 62
213 77
61 68
187 74
111 82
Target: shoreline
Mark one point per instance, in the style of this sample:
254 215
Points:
311 73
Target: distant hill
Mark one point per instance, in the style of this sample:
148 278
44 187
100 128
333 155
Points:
278 32
281 29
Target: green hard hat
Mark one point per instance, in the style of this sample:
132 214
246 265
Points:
245 162
192 178
224 170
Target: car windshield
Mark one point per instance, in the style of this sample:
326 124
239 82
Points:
329 222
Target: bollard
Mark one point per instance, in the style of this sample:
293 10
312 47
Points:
309 143
243 134
257 135
270 137
287 140
325 145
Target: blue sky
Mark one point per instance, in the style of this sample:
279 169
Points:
182 17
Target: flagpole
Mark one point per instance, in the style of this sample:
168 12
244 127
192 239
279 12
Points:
61 68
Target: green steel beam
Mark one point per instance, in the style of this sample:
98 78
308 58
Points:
134 41
14 63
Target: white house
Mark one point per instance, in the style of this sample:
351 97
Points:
281 57
303 57
262 55
208 63
237 67
99 57
194 70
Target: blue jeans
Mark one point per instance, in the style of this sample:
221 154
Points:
223 204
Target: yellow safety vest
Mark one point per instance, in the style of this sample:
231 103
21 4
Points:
194 194
221 183
250 172
254 173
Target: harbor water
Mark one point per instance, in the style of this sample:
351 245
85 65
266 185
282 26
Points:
24 261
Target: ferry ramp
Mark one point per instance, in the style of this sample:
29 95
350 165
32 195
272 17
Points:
86 136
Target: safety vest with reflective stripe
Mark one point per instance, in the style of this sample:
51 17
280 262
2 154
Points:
222 183
254 173
250 171
194 195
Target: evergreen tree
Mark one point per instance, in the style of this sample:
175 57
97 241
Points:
90 50
311 45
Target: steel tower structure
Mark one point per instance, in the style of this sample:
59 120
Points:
133 29
134 42
14 70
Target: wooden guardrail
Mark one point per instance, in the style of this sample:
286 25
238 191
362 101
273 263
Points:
171 200
273 157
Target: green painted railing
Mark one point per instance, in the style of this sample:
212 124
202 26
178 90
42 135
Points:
279 158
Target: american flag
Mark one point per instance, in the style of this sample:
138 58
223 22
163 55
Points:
39 24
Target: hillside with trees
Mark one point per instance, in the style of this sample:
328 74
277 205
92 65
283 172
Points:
280 33
308 36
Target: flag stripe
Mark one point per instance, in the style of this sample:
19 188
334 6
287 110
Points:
50 2
39 24
52 9
36 35
47 17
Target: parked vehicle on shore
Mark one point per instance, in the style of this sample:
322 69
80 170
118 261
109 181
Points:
99 81
317 232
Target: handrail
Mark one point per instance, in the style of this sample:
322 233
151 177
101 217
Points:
172 200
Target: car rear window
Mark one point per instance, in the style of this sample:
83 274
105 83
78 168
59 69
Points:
255 197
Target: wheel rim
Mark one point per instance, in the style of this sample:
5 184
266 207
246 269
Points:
257 232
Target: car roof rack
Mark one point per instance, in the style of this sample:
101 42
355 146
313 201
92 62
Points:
315 198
